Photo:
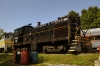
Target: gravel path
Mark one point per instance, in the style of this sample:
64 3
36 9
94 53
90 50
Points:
64 65
48 64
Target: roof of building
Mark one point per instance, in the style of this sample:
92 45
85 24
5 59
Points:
92 32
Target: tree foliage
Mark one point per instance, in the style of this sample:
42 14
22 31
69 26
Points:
73 13
90 18
2 35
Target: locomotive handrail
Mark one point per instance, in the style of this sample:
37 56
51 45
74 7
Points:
50 29
77 31
45 30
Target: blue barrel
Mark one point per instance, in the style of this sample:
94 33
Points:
33 57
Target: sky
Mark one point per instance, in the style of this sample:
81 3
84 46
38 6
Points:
17 13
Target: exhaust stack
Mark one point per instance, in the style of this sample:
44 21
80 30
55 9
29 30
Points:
39 23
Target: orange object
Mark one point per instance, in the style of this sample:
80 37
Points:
87 37
24 58
99 49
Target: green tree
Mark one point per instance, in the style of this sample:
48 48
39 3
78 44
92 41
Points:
2 35
90 18
73 13
98 18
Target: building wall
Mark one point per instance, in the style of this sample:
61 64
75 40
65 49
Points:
6 40
2 44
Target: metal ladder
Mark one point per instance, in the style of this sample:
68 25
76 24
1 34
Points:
75 45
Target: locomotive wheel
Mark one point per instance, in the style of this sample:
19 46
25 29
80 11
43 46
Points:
65 50
44 52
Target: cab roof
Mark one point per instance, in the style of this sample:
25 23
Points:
23 26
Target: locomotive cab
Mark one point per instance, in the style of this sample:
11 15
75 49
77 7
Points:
21 35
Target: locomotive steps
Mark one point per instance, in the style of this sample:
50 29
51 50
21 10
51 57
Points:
73 46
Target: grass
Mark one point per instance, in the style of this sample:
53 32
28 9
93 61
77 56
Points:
4 58
81 59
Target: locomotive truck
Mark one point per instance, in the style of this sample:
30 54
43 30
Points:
59 36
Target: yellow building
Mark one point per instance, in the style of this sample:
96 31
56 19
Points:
0 43
6 45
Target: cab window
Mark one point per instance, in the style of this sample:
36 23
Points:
21 31
16 32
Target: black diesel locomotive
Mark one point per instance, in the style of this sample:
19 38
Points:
58 36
